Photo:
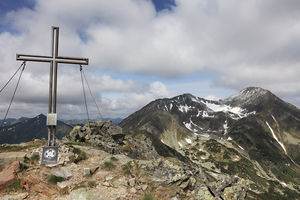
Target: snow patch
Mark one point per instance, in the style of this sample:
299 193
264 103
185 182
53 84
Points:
241 147
205 135
166 108
188 140
179 144
184 108
273 118
199 113
196 126
195 100
275 137
205 114
284 184
225 126
236 158
171 106
226 108
189 126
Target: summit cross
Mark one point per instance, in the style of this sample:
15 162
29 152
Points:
54 59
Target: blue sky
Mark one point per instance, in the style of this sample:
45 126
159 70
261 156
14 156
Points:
143 50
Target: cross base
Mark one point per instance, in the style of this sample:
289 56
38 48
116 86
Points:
51 123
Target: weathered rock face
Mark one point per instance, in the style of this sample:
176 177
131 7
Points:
15 197
9 174
140 147
34 184
127 177
146 147
111 139
193 180
102 134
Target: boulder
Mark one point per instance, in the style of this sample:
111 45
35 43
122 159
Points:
15 196
33 183
62 172
121 182
144 187
133 190
82 194
218 186
202 192
64 184
131 182
106 184
9 174
109 177
237 191
86 171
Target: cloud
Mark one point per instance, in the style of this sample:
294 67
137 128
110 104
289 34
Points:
241 43
121 106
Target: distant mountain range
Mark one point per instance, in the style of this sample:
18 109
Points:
81 122
253 134
27 129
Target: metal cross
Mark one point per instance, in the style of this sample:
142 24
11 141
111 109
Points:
54 59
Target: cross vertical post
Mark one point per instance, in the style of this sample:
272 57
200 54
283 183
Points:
54 59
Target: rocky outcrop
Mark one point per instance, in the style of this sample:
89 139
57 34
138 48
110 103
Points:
192 180
15 197
34 183
9 174
105 135
102 175
147 146
111 139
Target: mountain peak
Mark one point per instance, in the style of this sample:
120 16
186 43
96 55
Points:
41 115
249 96
186 95
254 90
249 92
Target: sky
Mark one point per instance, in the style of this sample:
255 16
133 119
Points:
142 50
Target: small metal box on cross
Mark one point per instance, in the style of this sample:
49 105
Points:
54 59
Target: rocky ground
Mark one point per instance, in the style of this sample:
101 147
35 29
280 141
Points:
98 161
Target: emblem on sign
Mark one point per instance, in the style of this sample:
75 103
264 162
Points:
49 155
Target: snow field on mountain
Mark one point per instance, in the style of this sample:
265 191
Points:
275 137
225 126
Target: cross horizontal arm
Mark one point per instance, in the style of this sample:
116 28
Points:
57 59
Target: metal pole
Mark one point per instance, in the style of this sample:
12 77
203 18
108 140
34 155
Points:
50 100
56 42
55 79
50 87
55 97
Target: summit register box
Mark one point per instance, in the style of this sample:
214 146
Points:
51 119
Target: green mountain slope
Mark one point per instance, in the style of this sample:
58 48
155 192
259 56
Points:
253 135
